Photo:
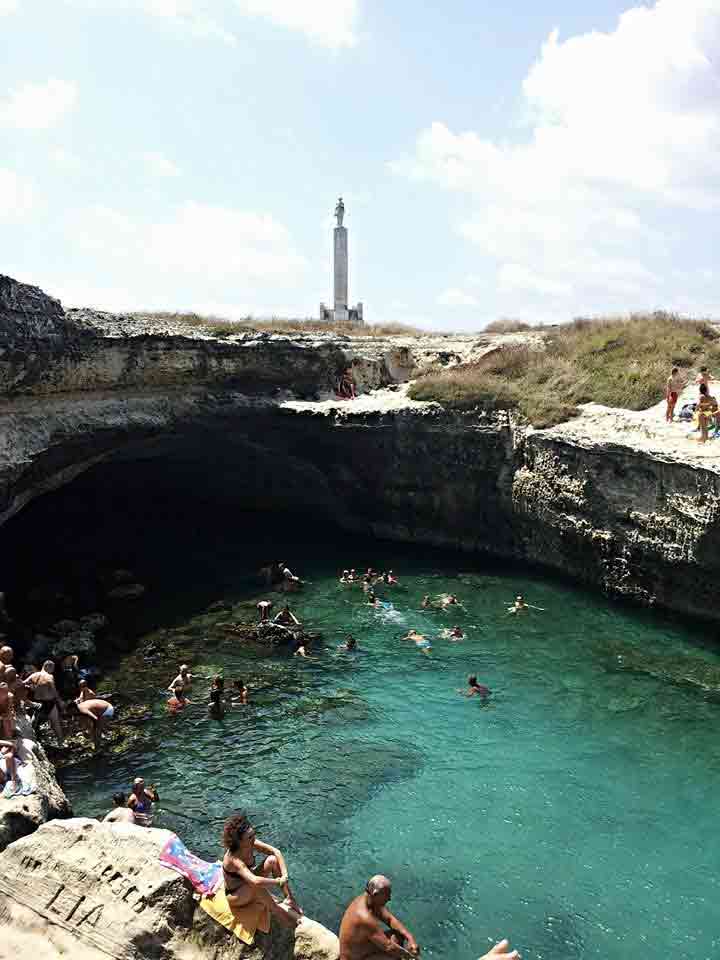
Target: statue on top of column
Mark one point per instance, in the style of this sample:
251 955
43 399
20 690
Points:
340 211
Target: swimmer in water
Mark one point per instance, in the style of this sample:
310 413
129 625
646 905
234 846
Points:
178 701
474 688
216 707
454 634
372 600
450 601
350 645
239 694
520 606
391 578
184 678
426 601
419 639
345 578
302 649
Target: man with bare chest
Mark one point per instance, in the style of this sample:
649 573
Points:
362 930
362 933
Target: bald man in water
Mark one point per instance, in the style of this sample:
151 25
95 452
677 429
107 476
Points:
361 930
362 934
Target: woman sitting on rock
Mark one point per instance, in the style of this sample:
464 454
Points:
248 884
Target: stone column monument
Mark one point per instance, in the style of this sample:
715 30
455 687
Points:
340 265
341 313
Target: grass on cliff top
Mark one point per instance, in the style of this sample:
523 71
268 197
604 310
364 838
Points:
619 362
218 327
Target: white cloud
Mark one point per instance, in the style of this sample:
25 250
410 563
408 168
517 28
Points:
330 23
159 165
198 241
624 128
193 16
8 6
38 106
17 196
455 297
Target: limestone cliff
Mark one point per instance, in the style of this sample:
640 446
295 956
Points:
606 499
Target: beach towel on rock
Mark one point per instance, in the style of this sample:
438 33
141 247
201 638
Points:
205 877
243 922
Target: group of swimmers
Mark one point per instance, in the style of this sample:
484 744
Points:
217 701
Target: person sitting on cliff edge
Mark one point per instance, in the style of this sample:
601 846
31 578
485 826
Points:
246 882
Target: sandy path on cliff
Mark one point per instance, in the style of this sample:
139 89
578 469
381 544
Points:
645 431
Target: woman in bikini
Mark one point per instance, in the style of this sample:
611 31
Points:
246 883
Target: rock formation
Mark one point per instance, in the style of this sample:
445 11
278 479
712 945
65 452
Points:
93 890
592 499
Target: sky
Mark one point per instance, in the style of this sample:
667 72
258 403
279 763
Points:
535 159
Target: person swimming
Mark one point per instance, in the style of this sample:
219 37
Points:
419 639
178 701
475 689
450 601
350 645
520 606
240 694
454 634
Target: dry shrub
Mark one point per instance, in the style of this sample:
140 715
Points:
617 361
507 325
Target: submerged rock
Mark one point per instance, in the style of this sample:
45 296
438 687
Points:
79 888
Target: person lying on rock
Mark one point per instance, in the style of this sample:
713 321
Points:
96 712
120 813
141 801
287 618
246 882
44 691
362 930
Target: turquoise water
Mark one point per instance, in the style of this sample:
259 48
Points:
574 812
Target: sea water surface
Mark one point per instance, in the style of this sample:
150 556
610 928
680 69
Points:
574 812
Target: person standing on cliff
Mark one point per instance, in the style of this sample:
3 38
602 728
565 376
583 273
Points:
673 388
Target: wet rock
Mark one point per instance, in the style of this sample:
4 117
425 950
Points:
126 591
82 644
64 627
94 622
